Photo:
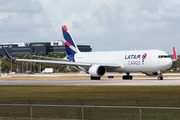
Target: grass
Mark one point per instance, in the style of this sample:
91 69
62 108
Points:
152 96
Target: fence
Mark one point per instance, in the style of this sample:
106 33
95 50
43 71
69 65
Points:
21 111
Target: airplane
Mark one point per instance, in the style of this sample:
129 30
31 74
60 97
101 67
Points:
149 62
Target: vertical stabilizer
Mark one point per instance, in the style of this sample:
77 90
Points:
71 47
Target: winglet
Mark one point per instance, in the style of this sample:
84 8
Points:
174 55
6 52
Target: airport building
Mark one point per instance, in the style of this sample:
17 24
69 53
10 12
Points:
57 47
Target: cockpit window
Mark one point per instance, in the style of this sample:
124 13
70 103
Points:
163 56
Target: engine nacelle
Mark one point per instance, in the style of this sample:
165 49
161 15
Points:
97 71
152 73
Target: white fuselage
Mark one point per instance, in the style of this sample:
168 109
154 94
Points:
129 61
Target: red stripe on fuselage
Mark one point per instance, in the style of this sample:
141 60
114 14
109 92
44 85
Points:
68 44
65 28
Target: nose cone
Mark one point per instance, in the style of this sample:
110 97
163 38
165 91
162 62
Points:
169 63
166 63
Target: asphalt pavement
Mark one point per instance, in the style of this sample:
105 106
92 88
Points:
174 81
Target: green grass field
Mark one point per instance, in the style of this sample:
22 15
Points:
152 96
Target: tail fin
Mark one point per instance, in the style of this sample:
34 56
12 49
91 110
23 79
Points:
70 45
174 55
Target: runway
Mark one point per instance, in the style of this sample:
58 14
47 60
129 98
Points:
174 81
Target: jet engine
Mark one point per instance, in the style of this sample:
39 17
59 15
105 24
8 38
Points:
97 71
152 73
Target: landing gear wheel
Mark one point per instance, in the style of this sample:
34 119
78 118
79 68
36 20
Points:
160 78
95 78
127 77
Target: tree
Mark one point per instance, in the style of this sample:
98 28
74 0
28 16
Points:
5 58
5 66
62 55
34 64
20 64
176 65
26 63
41 54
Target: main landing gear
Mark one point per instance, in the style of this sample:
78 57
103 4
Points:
127 77
95 78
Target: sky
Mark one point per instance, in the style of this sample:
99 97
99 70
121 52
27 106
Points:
105 25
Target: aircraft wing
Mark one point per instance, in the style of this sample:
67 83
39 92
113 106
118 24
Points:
70 63
60 59
56 62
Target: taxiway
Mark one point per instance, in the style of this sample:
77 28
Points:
174 81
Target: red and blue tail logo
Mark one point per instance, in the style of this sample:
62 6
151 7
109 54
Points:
144 57
70 45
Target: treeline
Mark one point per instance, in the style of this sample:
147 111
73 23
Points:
21 67
176 65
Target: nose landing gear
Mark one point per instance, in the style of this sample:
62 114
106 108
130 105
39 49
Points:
160 76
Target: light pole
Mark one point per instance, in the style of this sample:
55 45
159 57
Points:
11 65
0 67
40 66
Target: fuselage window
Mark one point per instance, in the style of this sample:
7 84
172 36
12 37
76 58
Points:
163 56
